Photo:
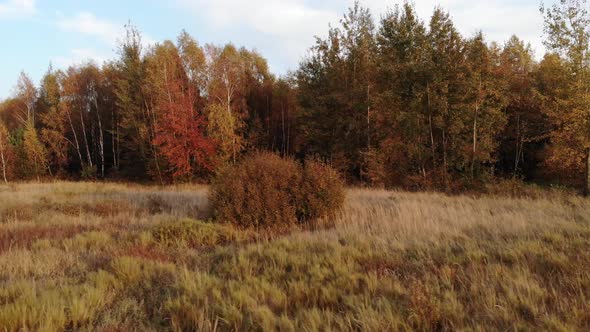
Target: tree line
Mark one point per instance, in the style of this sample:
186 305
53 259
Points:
395 101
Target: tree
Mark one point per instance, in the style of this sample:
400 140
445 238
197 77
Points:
257 100
135 114
181 134
175 101
227 93
11 113
4 151
110 77
34 152
401 123
525 134
84 107
486 100
360 50
334 86
72 105
194 61
26 92
282 122
567 30
53 120
445 96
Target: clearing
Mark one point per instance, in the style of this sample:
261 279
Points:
116 257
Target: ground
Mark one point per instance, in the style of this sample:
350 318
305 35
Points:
120 257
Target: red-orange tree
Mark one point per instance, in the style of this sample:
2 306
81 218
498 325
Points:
181 135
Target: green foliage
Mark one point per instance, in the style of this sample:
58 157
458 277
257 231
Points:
336 91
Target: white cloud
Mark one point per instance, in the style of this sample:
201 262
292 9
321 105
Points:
286 28
17 8
78 56
88 24
498 19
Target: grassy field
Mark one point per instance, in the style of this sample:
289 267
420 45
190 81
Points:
109 257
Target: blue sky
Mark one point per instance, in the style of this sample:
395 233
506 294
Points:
65 32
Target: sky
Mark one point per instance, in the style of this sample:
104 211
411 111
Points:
37 33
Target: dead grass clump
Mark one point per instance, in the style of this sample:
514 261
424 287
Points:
516 188
196 234
23 237
147 253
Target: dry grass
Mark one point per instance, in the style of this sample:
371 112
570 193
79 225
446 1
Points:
117 257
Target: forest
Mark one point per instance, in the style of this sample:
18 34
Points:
403 177
394 101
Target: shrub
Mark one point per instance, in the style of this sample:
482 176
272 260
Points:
258 192
265 190
322 191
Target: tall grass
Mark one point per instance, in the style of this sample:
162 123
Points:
116 257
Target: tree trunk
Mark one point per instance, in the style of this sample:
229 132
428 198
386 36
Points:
368 116
3 165
152 130
75 139
270 133
432 146
113 135
478 102
284 140
445 167
86 140
228 101
101 138
518 145
288 149
474 152
587 175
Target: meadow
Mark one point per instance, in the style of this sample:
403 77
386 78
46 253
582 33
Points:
122 257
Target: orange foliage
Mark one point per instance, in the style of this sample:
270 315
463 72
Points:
180 135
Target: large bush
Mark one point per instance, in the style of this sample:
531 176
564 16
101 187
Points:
258 192
321 191
265 190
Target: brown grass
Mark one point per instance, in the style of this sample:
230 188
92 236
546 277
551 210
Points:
116 257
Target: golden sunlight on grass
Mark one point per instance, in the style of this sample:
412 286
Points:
119 257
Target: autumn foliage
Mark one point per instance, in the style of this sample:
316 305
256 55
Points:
181 133
267 191
396 101
321 191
